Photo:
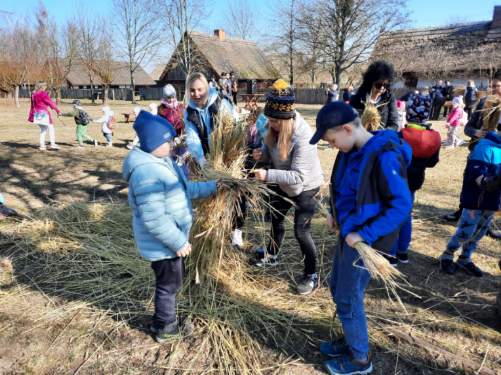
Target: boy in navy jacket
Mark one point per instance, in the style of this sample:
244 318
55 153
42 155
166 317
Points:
370 200
480 199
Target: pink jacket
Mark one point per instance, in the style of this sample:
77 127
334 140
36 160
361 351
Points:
455 116
40 102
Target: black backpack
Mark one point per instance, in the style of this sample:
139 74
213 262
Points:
83 118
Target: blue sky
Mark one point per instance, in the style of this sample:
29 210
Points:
422 12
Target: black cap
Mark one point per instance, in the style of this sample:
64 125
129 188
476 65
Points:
331 115
76 102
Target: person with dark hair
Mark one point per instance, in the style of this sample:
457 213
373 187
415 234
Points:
375 88
438 97
470 97
347 92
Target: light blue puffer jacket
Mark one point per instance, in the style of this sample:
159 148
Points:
160 198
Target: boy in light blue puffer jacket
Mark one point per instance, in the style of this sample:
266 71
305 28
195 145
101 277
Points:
160 198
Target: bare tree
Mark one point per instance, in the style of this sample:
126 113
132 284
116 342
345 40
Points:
240 17
88 36
180 19
350 28
105 65
18 60
139 33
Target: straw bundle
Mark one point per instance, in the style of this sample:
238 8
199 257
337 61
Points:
371 119
215 217
380 269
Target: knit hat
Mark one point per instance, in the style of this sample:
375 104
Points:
280 101
169 91
332 115
153 131
457 101
76 102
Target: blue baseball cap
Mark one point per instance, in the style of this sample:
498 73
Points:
331 115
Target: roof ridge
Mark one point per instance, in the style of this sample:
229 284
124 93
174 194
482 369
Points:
216 39
432 28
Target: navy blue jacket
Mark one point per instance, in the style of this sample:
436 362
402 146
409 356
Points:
484 160
369 191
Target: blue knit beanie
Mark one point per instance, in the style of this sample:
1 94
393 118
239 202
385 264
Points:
153 131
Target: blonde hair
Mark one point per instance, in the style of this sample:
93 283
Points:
197 76
41 85
283 139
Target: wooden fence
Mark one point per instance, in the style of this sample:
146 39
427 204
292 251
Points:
310 96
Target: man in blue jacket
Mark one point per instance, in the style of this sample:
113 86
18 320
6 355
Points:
160 198
370 200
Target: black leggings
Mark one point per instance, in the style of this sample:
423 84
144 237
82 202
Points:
306 206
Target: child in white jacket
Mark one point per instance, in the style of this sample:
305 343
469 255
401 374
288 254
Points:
107 127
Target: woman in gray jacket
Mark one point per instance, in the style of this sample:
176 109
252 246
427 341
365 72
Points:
296 177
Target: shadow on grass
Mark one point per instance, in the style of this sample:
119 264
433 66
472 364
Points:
107 273
31 175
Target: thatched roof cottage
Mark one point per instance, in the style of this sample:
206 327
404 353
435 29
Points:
215 54
455 52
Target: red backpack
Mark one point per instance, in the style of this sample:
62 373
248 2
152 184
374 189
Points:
424 142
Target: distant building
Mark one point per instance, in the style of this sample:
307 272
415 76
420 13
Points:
455 52
79 77
215 54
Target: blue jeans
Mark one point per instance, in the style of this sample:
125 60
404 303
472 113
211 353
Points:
472 226
405 235
348 284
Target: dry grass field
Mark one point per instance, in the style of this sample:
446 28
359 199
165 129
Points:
62 315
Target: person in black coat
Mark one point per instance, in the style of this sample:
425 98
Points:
470 97
448 95
438 96
376 88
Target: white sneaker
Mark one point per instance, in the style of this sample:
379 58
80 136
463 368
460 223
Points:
42 148
236 238
54 147
95 143
109 145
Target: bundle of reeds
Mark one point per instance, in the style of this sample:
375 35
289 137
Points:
371 119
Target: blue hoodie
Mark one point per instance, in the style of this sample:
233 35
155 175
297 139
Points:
160 198
205 116
484 160
369 190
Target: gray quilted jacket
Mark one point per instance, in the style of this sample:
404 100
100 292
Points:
301 171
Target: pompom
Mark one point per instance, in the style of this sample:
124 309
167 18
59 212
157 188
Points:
280 85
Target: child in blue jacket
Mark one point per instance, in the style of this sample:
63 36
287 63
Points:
370 200
480 199
160 198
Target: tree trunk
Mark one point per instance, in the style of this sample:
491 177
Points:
16 95
132 86
58 95
105 94
91 89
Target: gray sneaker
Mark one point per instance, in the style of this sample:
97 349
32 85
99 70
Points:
308 284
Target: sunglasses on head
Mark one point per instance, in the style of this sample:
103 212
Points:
379 85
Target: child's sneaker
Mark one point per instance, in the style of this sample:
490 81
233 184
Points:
391 259
172 331
470 268
448 266
308 284
403 258
267 260
236 238
334 349
346 365
55 147
42 148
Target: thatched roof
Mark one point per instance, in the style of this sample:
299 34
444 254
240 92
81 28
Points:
222 54
79 76
463 47
157 72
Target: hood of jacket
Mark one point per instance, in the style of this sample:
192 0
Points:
137 158
389 140
212 96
